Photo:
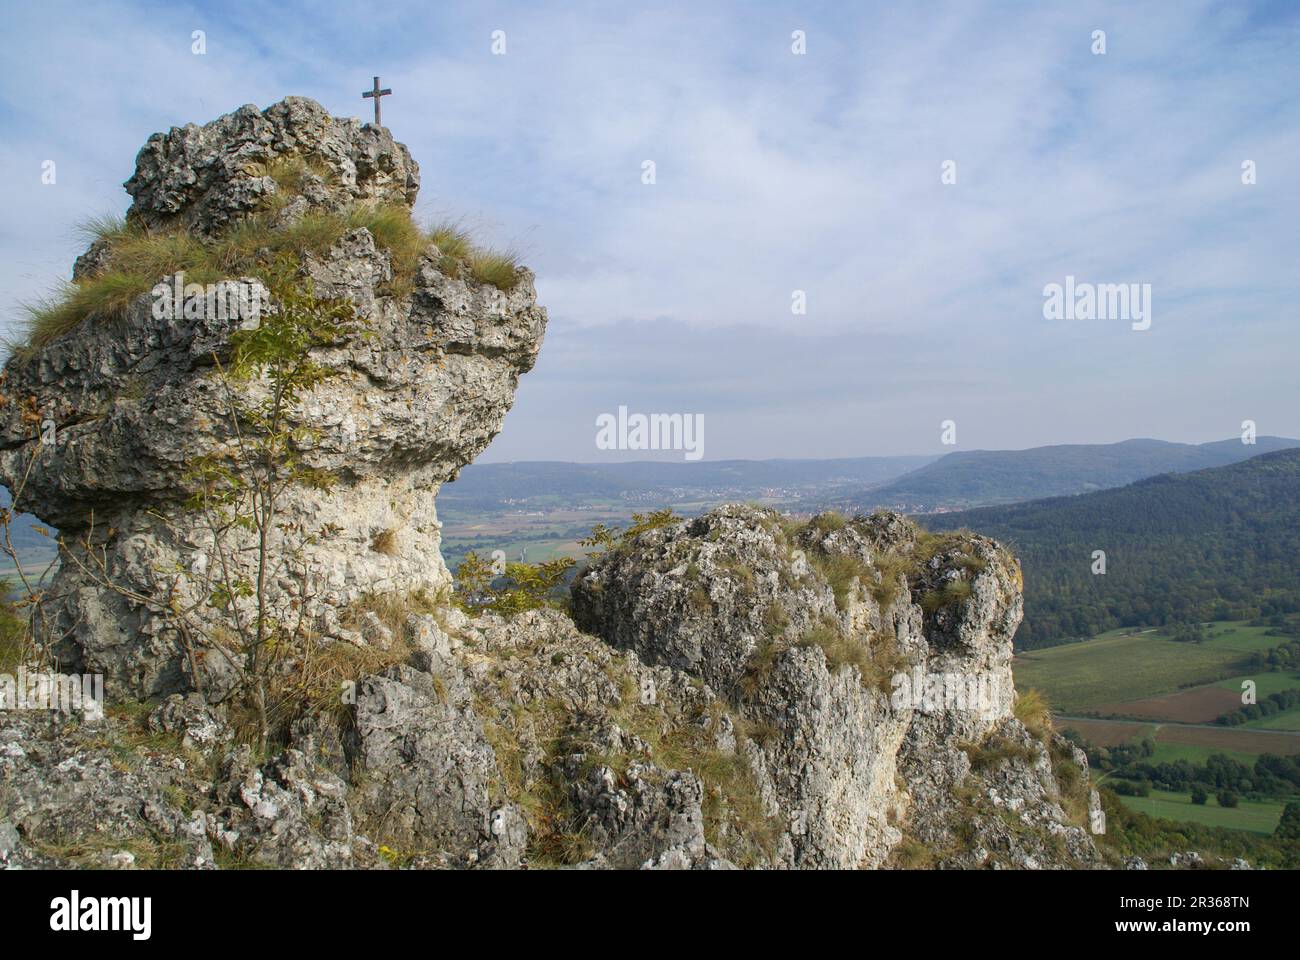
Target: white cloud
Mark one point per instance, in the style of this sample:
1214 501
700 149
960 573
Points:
775 173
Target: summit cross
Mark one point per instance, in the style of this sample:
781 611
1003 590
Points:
376 93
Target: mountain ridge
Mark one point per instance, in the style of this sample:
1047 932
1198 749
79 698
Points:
985 477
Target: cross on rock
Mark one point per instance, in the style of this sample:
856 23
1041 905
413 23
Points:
376 93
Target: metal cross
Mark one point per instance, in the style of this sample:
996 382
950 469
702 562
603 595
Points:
376 93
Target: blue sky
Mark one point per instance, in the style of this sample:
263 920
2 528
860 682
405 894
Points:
774 173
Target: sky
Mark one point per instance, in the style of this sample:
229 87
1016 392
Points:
778 177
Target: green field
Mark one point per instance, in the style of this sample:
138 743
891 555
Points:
1265 685
1170 752
1287 720
1255 816
1120 665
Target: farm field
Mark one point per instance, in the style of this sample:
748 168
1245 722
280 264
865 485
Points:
1121 666
1226 739
1255 816
1266 684
1185 741
1171 752
1197 705
1205 704
1290 720
537 534
1106 733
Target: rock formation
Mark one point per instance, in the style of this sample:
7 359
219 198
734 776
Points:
733 690
134 403
873 689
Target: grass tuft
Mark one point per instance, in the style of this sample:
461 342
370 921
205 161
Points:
1032 709
500 268
138 258
842 572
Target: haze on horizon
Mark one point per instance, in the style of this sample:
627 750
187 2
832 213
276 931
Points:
775 173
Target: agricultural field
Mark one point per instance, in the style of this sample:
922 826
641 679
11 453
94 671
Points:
1121 666
1255 816
1229 739
1197 705
1177 741
1107 733
1171 752
1266 684
1290 721
534 535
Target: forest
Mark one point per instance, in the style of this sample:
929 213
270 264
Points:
1217 544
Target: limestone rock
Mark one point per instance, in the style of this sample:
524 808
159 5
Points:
67 800
826 640
199 725
206 177
287 813
415 396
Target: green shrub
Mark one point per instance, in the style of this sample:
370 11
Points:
604 538
523 586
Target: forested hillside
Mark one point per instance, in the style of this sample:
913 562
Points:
1222 543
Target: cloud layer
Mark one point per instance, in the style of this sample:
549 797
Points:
774 173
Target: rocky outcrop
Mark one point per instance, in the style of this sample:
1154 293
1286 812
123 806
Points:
734 690
496 742
68 798
870 663
204 178
501 744
100 426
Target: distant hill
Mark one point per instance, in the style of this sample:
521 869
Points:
984 477
1222 543
551 482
